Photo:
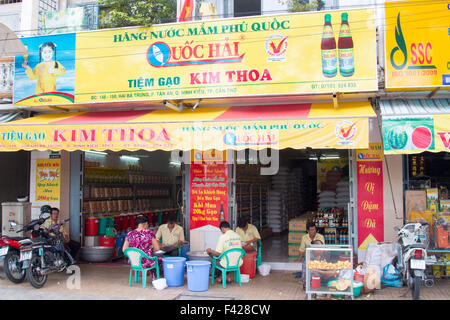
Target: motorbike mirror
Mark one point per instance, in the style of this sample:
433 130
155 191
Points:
396 228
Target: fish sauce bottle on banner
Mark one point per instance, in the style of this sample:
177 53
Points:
328 48
345 48
222 212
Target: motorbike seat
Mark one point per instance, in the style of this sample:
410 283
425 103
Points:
416 245
14 238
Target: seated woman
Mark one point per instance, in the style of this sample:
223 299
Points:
144 239
248 233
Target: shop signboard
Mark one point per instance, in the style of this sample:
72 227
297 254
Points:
415 134
48 175
417 44
341 133
208 194
267 55
370 195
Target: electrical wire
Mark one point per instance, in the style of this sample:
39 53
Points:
258 13
250 40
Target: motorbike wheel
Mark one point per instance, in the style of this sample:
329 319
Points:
13 268
35 278
415 289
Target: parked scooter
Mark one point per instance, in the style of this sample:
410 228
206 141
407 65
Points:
44 255
10 246
412 254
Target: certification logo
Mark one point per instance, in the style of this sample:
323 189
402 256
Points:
276 46
345 132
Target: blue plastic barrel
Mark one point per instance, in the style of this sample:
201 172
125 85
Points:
174 271
198 275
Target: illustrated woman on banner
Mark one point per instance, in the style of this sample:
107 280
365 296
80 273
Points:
47 70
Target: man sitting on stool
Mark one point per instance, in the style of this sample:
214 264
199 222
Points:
228 240
248 233
172 236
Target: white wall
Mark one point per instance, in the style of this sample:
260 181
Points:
10 15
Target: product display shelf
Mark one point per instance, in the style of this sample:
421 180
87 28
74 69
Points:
134 192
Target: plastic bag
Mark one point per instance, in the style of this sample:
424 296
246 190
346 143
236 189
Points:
372 278
159 284
390 277
264 269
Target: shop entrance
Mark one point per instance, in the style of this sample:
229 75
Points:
117 186
310 183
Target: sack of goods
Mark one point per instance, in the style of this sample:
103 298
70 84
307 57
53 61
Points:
327 199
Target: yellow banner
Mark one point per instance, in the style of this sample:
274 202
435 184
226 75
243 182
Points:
442 132
344 133
417 44
267 55
48 175
326 165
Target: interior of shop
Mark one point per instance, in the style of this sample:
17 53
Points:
132 182
427 194
310 183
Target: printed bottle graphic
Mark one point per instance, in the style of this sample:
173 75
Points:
222 212
345 47
328 47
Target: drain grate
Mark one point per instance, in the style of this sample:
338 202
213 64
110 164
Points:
201 297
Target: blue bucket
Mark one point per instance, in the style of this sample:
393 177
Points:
174 271
198 275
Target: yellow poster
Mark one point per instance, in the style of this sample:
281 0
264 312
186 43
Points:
417 44
301 53
326 165
48 177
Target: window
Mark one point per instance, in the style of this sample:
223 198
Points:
244 8
43 7
9 1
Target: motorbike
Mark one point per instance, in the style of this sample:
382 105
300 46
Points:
10 248
44 255
412 255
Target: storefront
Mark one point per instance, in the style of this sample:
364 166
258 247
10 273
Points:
419 131
259 97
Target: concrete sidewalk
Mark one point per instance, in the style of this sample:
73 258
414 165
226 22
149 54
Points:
100 282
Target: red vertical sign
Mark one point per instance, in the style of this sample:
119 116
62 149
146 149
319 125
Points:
370 195
208 195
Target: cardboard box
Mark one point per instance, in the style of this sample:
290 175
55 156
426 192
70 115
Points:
296 236
298 224
445 205
293 249
415 203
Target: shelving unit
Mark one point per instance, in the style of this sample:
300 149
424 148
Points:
110 191
252 195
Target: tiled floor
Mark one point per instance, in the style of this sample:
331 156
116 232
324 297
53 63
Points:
275 249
